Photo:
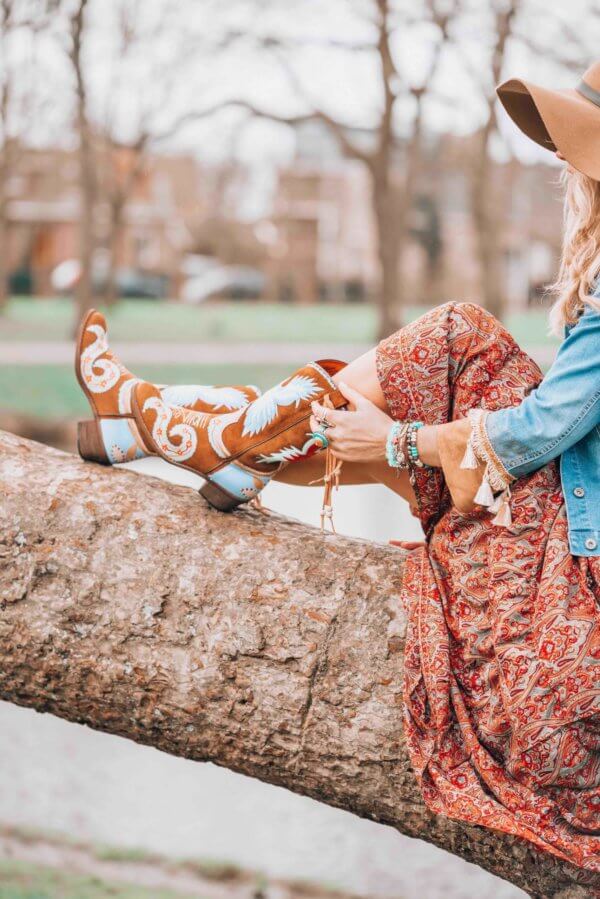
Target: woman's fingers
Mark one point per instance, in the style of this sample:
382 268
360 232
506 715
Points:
315 424
354 436
331 416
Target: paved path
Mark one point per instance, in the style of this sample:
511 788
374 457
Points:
61 353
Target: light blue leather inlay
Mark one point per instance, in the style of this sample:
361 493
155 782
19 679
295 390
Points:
240 483
119 442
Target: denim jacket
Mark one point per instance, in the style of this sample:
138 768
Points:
561 418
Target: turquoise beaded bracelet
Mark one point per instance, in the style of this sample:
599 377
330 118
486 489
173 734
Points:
391 445
401 448
411 441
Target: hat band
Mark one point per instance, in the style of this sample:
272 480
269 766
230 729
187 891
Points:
588 92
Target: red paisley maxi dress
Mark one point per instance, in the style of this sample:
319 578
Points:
502 679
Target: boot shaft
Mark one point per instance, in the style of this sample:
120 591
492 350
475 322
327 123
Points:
242 450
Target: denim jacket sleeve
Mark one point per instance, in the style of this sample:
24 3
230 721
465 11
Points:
557 414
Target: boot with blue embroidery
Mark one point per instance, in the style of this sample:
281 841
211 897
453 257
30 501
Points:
112 435
238 452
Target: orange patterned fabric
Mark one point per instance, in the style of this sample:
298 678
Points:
502 680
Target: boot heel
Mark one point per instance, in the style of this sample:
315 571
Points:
218 498
90 443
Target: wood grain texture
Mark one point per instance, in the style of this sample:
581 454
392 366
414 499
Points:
249 640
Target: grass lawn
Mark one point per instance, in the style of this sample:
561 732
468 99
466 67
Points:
52 391
141 320
148 320
22 880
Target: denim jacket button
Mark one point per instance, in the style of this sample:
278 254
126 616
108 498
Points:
579 492
590 543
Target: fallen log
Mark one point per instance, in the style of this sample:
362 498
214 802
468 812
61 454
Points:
251 641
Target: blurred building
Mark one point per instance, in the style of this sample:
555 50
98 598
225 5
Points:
44 209
326 248
529 215
318 241
326 241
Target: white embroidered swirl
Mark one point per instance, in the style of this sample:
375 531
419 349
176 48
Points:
216 427
91 363
162 433
125 395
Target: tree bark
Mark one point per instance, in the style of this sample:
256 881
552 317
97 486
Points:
247 640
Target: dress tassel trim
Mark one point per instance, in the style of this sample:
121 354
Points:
485 495
469 459
494 490
503 517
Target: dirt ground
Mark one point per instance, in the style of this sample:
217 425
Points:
30 861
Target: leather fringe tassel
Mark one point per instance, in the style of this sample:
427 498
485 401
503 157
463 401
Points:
331 482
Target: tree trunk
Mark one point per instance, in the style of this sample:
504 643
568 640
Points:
87 174
111 294
488 230
86 226
389 299
247 640
4 292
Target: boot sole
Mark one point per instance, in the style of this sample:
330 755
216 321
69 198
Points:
218 498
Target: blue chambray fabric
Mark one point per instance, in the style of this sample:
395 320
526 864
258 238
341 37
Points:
561 419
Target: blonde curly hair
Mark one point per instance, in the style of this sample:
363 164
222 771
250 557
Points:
580 258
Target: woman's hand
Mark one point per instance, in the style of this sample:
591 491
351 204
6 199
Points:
359 435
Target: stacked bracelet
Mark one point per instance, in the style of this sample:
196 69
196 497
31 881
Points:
394 448
401 446
411 439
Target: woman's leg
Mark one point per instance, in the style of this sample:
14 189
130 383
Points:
361 374
434 370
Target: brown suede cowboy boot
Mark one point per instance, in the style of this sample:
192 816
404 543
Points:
239 452
112 436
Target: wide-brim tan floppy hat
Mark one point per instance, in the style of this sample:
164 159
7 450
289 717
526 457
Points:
566 120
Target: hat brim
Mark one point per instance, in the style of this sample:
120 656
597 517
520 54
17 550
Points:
562 120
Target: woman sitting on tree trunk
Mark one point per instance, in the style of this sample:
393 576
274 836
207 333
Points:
502 466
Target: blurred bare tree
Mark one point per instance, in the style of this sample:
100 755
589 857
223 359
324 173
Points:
6 148
135 74
393 163
511 22
124 112
487 216
479 38
87 172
